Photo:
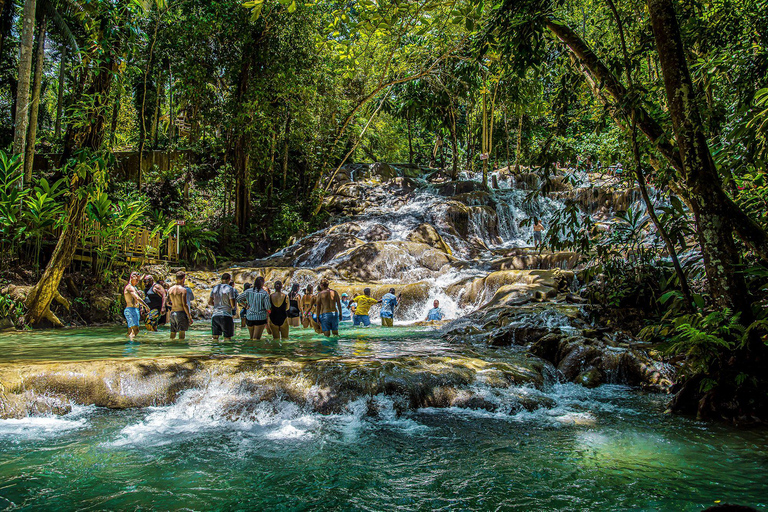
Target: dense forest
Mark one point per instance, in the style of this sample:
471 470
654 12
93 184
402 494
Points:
266 100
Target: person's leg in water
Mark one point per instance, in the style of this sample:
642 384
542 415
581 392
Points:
133 318
329 323
228 327
285 330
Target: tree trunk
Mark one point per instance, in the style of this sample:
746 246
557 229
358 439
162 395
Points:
519 148
142 110
29 156
506 131
242 186
90 136
410 140
286 147
484 144
747 228
156 116
115 117
25 71
60 95
454 148
714 224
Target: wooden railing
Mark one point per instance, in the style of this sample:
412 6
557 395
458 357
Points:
139 245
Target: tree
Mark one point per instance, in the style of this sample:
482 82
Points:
25 71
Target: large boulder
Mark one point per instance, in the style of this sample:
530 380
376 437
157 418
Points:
376 233
322 249
390 260
454 188
427 234
346 228
383 172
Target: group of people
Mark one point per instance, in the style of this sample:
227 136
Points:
258 307
162 303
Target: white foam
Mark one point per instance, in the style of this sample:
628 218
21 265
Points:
36 427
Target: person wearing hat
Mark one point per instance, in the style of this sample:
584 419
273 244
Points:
346 313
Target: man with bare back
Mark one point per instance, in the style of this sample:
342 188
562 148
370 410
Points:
181 318
132 304
328 304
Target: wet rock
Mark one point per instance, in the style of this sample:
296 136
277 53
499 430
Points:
475 198
514 335
379 260
346 228
383 172
376 233
427 234
590 378
522 259
327 385
454 188
548 346
101 308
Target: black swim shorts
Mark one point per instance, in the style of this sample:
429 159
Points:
223 326
254 323
179 321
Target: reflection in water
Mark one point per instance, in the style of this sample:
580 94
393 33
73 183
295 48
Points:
110 342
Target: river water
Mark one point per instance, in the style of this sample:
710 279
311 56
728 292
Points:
610 448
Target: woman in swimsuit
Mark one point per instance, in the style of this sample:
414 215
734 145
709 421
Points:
278 314
294 312
306 307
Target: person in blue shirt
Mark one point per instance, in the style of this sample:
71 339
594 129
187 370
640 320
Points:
346 313
435 314
388 304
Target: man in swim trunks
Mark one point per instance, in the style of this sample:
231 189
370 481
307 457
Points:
181 317
132 304
223 299
364 303
328 305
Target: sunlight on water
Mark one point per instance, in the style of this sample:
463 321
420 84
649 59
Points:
225 445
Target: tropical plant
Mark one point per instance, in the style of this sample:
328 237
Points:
196 244
115 224
12 230
42 212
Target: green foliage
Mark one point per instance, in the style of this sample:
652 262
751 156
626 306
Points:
10 308
12 230
288 224
198 244
113 224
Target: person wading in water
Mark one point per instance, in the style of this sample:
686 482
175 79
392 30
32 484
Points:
364 303
243 319
256 299
132 304
538 228
181 316
388 304
294 311
278 312
328 304
306 307
223 299
155 299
